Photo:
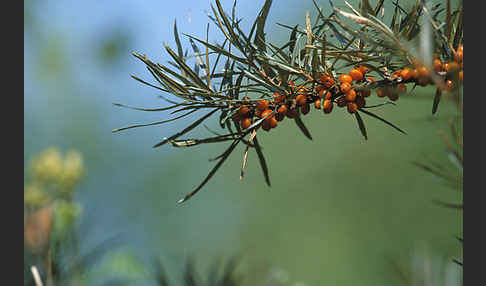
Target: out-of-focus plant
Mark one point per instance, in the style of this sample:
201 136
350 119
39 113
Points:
452 174
430 269
336 59
220 274
49 210
49 191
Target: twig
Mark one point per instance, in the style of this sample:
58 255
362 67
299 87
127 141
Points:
35 273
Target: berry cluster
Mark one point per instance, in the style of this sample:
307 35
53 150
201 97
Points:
448 72
322 94
325 92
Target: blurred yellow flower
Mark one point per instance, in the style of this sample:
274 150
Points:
72 170
48 165
35 196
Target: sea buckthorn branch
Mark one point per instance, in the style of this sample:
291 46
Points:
332 62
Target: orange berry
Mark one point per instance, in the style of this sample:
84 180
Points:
356 74
246 100
459 56
380 92
459 53
362 69
327 106
345 78
423 72
243 111
305 108
360 102
292 112
461 75
352 107
423 81
415 63
317 104
245 123
266 113
258 113
325 93
266 125
341 102
292 85
460 49
401 88
279 98
393 96
449 85
365 92
323 77
273 122
319 87
396 74
303 89
326 80
415 74
406 74
301 99
328 95
345 87
262 104
438 67
350 95
282 110
451 67
236 117
322 92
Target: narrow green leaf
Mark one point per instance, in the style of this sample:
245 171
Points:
153 123
381 119
361 125
234 38
438 95
194 142
293 38
448 20
219 50
245 159
378 7
239 79
149 84
220 25
193 76
185 130
180 77
302 127
166 81
449 205
179 46
151 109
262 161
458 35
261 19
208 67
366 8
212 172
